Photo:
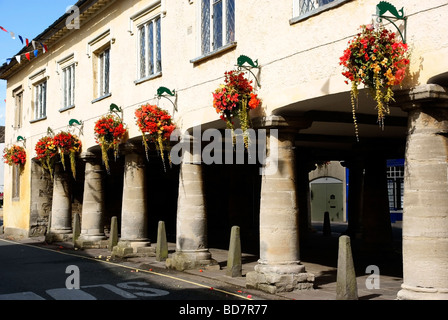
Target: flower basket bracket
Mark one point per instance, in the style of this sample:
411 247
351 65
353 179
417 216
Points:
246 63
383 7
164 92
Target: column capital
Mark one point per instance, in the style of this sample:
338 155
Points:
283 123
429 95
89 156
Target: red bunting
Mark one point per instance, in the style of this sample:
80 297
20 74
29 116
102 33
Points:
3 29
27 55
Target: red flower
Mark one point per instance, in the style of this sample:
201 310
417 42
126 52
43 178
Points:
155 125
14 155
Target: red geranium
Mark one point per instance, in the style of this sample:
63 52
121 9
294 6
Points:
14 155
156 125
235 99
46 152
68 144
109 133
378 60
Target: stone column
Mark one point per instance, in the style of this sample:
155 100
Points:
92 224
425 214
191 240
61 212
134 220
376 224
279 268
355 192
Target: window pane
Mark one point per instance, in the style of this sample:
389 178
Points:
143 52
151 47
106 70
230 18
44 100
159 46
205 27
217 24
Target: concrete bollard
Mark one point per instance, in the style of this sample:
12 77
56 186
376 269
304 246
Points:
327 226
234 264
113 237
76 228
162 244
346 286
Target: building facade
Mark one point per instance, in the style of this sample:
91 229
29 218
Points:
122 52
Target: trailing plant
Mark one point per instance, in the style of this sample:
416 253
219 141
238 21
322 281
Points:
377 59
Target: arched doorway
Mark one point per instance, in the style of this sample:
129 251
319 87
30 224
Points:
326 195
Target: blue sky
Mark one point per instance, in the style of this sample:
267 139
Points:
27 18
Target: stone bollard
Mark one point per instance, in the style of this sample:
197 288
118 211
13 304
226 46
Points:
234 264
76 228
346 286
113 237
327 225
162 244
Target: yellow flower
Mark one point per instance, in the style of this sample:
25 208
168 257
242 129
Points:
384 62
376 68
390 77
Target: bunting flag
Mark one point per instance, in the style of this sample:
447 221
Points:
25 41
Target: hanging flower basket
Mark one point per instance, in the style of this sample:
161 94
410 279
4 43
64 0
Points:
46 153
156 126
378 60
109 133
234 99
15 155
68 144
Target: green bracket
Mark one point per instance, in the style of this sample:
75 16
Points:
117 110
383 7
21 139
73 123
246 63
164 92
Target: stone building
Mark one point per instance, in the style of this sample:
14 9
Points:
121 52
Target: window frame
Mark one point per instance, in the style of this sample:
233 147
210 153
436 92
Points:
15 192
40 100
103 74
18 107
297 17
68 102
152 54
207 26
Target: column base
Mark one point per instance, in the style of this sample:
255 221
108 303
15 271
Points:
417 293
187 260
92 243
133 248
279 278
61 235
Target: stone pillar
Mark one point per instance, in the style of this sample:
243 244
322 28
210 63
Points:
355 191
425 214
61 212
41 199
376 224
191 240
92 224
134 220
279 268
